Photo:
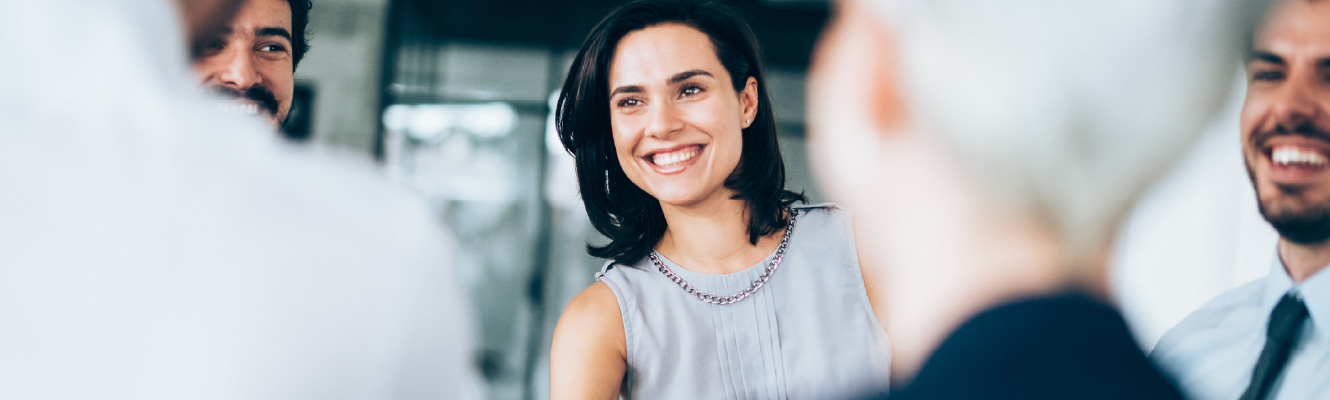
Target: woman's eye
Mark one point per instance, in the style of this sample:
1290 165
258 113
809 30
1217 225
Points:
629 102
690 90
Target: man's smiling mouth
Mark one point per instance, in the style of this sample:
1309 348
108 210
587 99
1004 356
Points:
1295 156
242 107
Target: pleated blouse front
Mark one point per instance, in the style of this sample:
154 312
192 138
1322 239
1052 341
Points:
809 333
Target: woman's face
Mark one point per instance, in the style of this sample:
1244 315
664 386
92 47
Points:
677 120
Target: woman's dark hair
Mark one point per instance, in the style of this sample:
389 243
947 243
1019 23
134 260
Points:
630 217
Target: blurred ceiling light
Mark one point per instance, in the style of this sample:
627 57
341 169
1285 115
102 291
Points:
487 120
396 116
432 123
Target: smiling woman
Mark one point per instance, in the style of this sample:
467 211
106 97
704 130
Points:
713 36
711 292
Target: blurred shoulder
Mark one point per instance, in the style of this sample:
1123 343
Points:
1224 310
344 198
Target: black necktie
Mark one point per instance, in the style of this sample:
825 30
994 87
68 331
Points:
1285 322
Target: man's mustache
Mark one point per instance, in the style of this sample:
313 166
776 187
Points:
259 95
1308 130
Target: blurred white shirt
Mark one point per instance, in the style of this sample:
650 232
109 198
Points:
151 248
1213 351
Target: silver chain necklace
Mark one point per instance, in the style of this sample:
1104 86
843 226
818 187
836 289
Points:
743 294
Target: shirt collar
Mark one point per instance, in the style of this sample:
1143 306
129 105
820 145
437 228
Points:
1315 292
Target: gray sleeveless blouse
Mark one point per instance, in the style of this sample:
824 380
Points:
810 333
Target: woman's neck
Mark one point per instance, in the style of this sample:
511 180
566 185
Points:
712 237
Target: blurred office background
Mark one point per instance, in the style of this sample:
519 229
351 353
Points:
454 98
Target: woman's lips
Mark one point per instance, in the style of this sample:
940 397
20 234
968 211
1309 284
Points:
674 160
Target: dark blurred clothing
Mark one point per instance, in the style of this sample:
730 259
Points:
1066 346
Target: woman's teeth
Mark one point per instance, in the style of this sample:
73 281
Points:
1293 155
672 158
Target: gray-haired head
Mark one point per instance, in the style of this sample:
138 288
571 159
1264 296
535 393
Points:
1067 110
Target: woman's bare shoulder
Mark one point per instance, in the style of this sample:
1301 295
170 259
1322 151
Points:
589 355
592 320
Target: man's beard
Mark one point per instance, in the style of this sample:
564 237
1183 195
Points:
258 94
1307 226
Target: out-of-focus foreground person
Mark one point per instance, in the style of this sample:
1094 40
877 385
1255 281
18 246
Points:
1270 339
154 248
990 151
253 60
718 286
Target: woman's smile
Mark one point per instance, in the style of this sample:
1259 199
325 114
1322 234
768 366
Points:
673 160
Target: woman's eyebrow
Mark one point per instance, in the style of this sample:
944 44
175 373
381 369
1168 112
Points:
626 89
680 77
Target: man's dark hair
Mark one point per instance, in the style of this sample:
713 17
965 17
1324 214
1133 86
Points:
300 28
627 215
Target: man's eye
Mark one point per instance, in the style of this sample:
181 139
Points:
1267 76
272 48
209 48
212 46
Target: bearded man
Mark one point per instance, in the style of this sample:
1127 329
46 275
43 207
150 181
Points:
252 61
1270 339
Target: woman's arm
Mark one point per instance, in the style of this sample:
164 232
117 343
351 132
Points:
588 357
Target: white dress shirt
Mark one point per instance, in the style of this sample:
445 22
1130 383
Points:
153 248
1212 352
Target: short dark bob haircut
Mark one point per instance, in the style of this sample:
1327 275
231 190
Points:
631 218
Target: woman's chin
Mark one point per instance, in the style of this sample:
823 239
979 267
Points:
679 197
679 201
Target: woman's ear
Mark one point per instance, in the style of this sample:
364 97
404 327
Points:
748 102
